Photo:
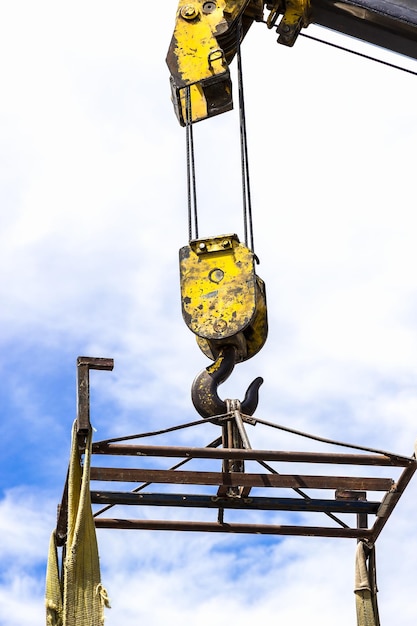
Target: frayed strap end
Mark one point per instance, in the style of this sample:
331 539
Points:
102 592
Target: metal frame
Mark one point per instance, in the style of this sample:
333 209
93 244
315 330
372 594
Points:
234 489
349 491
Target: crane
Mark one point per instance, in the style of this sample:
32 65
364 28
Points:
224 305
206 37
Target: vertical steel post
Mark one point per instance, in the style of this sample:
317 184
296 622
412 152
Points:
84 364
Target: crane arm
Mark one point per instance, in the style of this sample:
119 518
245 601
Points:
390 24
206 36
203 45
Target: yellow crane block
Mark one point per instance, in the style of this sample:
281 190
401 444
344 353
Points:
203 43
223 300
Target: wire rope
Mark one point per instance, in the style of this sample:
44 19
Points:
359 54
332 442
162 431
253 421
355 52
191 177
190 160
246 190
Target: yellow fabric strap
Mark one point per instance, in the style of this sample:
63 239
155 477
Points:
83 596
364 593
53 586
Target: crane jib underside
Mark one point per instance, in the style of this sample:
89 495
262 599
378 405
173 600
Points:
391 25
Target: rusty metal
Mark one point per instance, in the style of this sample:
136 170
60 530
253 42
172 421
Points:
257 529
347 495
180 500
232 438
234 479
347 486
234 490
213 444
392 498
348 499
84 365
204 394
253 455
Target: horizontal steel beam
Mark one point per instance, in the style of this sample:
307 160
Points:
215 502
216 527
243 479
251 455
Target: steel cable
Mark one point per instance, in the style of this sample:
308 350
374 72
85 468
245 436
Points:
246 190
359 54
191 178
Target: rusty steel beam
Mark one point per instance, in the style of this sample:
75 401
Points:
257 529
84 365
252 503
252 455
240 479
391 499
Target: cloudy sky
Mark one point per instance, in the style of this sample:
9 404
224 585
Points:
93 212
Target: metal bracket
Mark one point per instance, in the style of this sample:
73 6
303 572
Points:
294 19
84 364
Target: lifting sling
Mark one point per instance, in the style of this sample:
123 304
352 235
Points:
75 596
365 588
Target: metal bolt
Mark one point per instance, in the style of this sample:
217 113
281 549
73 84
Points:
216 275
202 246
209 7
189 12
226 243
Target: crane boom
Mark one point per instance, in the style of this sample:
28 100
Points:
207 33
386 23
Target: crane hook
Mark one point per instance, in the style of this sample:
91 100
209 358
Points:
204 388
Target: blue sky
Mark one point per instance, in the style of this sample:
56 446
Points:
93 213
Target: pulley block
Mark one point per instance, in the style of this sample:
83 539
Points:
203 44
223 300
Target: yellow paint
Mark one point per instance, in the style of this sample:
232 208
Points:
195 41
297 12
223 300
196 59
